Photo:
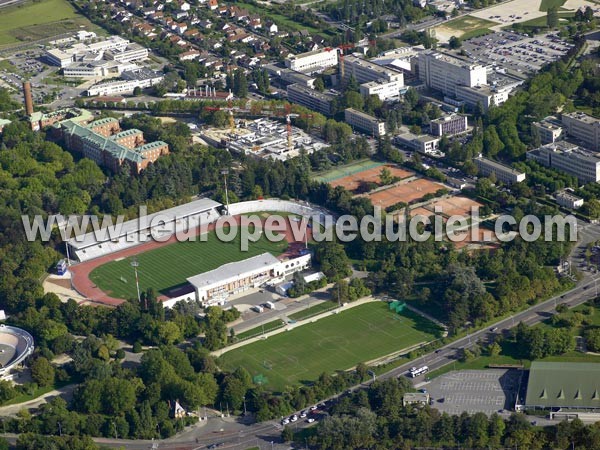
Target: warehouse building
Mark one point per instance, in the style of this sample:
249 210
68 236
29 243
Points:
503 173
566 389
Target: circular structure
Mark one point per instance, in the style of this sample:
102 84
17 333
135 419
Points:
15 345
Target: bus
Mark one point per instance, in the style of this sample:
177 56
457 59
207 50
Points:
415 372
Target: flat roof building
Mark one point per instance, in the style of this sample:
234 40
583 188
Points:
448 125
444 72
313 61
315 100
583 128
503 173
364 122
385 90
365 71
568 158
549 129
564 385
568 199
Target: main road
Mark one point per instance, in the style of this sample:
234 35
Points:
233 433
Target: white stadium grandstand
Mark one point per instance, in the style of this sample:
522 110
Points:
15 345
104 241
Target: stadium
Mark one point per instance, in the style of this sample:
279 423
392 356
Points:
113 263
15 346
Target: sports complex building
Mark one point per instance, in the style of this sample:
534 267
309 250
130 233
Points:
566 390
212 287
15 346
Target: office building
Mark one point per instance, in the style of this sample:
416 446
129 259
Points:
584 128
142 78
364 122
133 52
425 143
385 90
104 142
549 129
444 72
568 158
504 174
483 95
364 71
567 199
313 61
315 100
449 125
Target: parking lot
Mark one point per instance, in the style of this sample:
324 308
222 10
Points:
473 391
516 53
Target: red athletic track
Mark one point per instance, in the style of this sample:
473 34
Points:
81 271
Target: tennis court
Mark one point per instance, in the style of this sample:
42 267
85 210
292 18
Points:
455 206
357 180
347 170
406 193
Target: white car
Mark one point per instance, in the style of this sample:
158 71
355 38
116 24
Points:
285 421
303 414
294 418
313 408
310 420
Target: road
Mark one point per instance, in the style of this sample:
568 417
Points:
236 434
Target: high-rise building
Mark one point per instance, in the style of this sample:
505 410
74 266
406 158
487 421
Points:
445 73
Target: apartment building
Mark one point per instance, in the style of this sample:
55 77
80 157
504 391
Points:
583 128
133 52
568 158
315 100
503 173
549 129
444 72
104 142
449 125
364 122
313 61
425 143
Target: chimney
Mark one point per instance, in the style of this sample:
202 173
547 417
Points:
28 98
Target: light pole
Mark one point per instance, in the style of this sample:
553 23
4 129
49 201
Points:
225 172
135 264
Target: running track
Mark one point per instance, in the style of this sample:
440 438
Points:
80 272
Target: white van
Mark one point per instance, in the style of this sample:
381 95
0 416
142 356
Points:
258 308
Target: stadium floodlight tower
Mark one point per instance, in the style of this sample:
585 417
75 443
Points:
135 264
225 172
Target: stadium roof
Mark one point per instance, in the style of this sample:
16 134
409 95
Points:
233 270
565 385
136 225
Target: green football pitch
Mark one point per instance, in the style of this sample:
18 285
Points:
166 268
337 342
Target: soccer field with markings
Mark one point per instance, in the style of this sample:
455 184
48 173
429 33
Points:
337 342
166 268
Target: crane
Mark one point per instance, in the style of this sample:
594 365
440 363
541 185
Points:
343 47
290 142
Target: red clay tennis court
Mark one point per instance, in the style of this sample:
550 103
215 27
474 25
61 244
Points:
455 206
406 193
354 181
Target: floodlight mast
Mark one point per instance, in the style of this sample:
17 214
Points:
225 172
135 264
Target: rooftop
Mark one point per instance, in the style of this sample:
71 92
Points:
583 117
136 225
498 165
557 384
233 270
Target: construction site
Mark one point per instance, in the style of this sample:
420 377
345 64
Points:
263 138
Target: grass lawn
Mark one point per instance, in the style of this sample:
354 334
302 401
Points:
337 342
35 393
313 310
269 326
547 4
167 267
32 21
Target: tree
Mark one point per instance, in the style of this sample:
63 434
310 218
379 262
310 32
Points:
454 42
42 372
240 84
552 17
137 91
319 84
287 434
385 176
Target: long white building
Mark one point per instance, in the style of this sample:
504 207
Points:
215 287
313 61
385 90
583 128
568 158
503 173
364 71
364 122
142 78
